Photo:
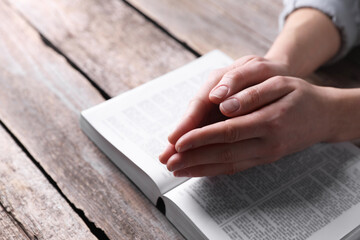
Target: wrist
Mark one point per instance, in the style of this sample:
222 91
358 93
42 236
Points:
343 113
285 50
308 40
283 60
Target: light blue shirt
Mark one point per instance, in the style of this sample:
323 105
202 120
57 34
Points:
345 14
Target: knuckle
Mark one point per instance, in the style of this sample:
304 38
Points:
193 101
263 68
197 101
229 75
253 96
244 60
230 132
297 84
275 124
215 76
234 75
217 73
191 117
226 156
280 80
255 58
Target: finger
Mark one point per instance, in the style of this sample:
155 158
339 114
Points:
228 131
201 104
168 152
198 107
216 153
218 169
254 97
251 73
194 115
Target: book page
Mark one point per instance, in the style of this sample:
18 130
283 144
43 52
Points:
314 194
138 122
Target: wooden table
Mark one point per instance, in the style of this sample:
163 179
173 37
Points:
58 57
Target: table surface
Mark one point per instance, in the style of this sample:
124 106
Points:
59 57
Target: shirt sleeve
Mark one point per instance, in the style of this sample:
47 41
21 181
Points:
345 14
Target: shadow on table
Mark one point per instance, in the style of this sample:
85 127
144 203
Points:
343 74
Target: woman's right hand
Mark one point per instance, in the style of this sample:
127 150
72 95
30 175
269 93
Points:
223 83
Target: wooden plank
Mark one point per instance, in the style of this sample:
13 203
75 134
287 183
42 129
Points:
31 202
259 17
40 100
113 44
237 27
8 229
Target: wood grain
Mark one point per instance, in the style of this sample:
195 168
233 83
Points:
259 17
113 44
8 229
40 99
31 202
237 27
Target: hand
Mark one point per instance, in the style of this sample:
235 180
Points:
277 117
204 109
222 83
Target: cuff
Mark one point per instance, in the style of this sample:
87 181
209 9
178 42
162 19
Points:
341 12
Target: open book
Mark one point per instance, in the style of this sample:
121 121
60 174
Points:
313 194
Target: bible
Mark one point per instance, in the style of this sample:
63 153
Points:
312 194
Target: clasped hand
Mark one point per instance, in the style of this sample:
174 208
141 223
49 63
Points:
247 114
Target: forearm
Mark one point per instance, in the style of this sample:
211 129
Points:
308 40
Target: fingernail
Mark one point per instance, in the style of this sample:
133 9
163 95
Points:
161 159
182 173
230 105
220 92
184 148
176 165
